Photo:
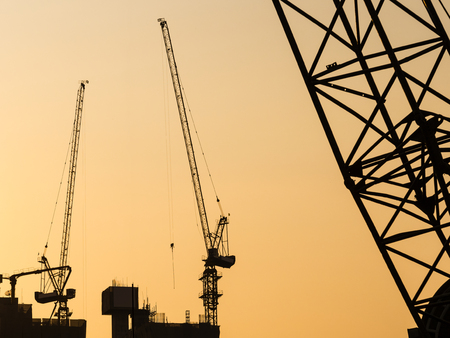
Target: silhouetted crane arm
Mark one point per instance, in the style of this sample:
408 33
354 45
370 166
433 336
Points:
186 134
71 181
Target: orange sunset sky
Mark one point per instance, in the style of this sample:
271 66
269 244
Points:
306 264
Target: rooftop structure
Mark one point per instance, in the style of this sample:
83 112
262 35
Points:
121 302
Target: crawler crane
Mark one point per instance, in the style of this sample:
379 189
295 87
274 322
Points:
216 242
380 68
58 277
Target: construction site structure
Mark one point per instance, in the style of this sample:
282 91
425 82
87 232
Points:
121 303
216 242
53 287
16 320
380 68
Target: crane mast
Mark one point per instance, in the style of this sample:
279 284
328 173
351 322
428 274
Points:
216 246
59 278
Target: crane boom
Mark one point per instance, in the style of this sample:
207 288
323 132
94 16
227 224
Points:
393 155
71 179
186 134
216 246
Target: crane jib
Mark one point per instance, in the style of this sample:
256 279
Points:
71 180
186 134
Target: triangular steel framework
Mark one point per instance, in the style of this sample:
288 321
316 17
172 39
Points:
376 73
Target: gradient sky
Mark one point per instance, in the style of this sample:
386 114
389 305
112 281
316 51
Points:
306 265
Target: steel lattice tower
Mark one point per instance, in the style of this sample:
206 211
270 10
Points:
210 294
376 73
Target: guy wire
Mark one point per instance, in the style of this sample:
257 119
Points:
198 139
59 190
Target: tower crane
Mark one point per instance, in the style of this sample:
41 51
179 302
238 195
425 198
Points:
58 277
381 69
216 242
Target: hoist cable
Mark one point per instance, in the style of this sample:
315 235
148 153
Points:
168 159
198 139
59 190
173 264
84 222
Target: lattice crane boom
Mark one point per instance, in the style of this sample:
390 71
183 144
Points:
186 134
381 67
75 143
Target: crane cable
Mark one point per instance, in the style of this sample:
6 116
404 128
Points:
84 221
59 192
203 155
198 140
168 159
43 283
